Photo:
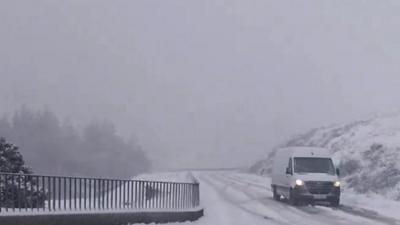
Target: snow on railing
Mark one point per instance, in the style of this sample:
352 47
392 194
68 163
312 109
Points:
37 193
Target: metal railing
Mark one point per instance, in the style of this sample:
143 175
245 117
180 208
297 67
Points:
37 193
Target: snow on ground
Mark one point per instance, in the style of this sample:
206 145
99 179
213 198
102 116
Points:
181 177
233 198
373 202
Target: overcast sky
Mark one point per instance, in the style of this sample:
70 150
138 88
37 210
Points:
205 83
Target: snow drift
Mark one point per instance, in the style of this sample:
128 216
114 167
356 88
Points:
367 152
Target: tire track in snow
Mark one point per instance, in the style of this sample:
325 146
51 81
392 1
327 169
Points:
256 207
228 199
347 209
219 211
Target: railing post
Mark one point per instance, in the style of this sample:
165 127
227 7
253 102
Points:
111 193
65 193
25 193
176 196
70 193
126 203
2 192
171 193
137 195
124 195
142 192
116 194
148 195
144 201
179 196
145 193
120 194
135 199
5 193
54 193
19 192
59 193
175 187
160 195
131 193
80 193
37 192
198 194
44 190
168 195
184 195
103 193
85 190
163 195
90 194
75 194
192 194
99 194
107 193
153 195
157 193
30 194
187 196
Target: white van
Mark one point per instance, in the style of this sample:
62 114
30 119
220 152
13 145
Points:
305 175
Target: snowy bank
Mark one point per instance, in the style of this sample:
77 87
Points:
367 152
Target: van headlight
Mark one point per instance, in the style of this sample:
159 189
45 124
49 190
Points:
299 182
336 184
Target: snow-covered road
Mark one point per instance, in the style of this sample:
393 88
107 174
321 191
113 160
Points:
232 198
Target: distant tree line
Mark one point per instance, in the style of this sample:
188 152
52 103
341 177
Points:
52 147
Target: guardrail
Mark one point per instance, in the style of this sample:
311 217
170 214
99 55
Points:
39 193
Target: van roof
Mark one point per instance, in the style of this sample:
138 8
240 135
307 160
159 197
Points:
305 152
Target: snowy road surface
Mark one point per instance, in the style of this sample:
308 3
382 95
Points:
232 198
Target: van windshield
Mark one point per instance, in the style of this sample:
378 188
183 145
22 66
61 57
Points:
313 165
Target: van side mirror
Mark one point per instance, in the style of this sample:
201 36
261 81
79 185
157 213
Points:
288 171
337 171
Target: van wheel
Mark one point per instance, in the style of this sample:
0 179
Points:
275 194
335 203
292 199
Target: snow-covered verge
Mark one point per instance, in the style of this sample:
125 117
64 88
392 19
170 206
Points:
367 152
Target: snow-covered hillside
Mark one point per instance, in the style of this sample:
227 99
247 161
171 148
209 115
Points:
367 152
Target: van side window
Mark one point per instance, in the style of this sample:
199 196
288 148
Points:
290 165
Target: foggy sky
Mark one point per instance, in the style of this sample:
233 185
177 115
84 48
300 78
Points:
208 83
